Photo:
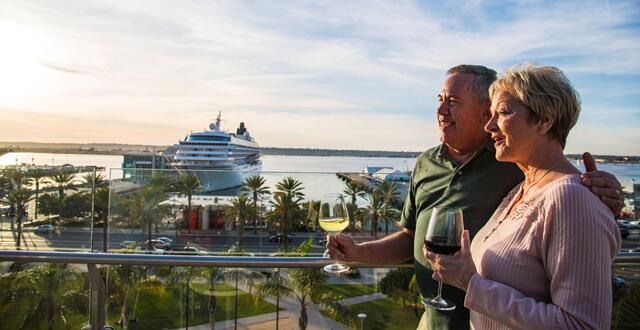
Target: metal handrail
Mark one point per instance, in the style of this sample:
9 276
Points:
622 259
175 260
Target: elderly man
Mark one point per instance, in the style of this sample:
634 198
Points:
462 172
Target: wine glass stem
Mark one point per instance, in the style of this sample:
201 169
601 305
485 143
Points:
439 297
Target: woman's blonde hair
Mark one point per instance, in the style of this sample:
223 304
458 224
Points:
548 94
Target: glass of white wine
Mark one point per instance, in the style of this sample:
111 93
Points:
333 217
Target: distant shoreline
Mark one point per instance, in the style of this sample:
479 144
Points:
121 149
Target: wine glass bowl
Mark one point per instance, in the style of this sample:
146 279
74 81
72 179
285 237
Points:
443 237
333 217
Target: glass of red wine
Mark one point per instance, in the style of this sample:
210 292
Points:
443 237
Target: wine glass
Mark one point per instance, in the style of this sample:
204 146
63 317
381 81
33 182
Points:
443 237
333 217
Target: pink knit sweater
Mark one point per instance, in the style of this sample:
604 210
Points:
547 265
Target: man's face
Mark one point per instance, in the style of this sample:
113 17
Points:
461 118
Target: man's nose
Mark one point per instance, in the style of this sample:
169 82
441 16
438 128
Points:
443 108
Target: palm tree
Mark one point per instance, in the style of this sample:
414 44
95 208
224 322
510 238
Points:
286 204
305 285
38 177
354 191
63 180
255 185
390 195
88 180
188 184
19 197
241 210
124 279
374 212
213 276
146 209
49 292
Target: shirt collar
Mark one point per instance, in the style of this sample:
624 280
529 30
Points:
441 152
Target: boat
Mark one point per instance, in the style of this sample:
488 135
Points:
219 159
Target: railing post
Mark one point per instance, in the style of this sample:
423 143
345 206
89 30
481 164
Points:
98 297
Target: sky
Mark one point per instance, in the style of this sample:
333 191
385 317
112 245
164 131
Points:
307 74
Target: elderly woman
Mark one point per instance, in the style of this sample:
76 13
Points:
543 260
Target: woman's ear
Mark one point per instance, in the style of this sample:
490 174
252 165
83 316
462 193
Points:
544 125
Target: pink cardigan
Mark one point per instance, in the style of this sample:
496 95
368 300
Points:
547 265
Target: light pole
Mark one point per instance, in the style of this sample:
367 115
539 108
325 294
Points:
362 316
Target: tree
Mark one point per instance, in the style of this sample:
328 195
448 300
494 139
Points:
63 180
305 285
286 204
353 191
124 279
374 212
241 210
255 185
188 184
19 197
390 195
145 208
38 177
51 294
88 180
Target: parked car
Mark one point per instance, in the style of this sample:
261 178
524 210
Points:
44 229
129 244
158 244
193 250
624 232
278 238
155 250
166 240
635 249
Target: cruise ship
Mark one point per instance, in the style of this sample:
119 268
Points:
218 158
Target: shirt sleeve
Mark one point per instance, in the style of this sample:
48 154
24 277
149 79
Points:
408 216
578 244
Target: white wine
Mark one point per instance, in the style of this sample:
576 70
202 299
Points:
334 226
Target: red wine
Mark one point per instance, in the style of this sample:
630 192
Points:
442 249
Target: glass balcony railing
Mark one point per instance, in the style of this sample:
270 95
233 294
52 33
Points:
151 249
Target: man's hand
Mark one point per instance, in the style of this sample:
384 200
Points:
602 184
342 248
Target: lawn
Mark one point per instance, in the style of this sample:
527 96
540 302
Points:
351 290
165 309
387 314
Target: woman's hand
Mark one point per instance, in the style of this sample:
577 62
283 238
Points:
455 270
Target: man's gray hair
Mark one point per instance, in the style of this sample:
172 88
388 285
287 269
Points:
484 78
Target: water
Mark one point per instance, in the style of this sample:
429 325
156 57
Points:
626 173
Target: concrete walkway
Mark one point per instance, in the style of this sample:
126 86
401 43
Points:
363 299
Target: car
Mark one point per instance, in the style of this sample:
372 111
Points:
44 229
618 282
278 238
158 244
166 240
129 244
192 250
635 249
624 232
155 250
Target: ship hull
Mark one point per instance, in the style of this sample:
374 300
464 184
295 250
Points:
213 180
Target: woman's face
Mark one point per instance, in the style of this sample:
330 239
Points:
514 137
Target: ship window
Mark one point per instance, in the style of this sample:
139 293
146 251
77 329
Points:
208 138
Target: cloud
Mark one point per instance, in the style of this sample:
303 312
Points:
370 62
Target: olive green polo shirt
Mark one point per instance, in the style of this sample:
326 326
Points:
477 187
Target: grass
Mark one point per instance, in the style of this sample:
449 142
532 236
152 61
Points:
351 290
386 314
165 309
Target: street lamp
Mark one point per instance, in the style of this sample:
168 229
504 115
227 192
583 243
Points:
362 316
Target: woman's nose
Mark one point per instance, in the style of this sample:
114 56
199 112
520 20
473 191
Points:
491 126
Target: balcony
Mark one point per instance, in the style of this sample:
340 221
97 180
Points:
220 271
